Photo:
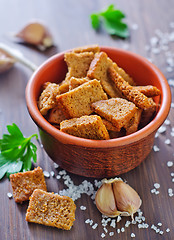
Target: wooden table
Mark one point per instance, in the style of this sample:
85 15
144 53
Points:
70 26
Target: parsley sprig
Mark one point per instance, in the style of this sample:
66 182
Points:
16 151
112 21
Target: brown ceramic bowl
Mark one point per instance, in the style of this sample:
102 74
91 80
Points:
99 158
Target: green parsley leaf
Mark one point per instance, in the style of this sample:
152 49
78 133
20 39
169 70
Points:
112 21
16 151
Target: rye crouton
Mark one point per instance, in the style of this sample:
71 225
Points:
47 99
88 48
57 115
78 64
123 74
24 183
98 70
51 210
76 82
90 127
118 111
134 122
77 102
130 93
148 91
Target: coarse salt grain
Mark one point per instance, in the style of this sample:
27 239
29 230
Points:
134 26
161 232
162 129
157 192
171 82
9 195
132 235
155 148
118 230
122 229
167 141
169 164
111 234
46 174
58 177
172 174
118 219
95 226
55 165
82 208
52 173
156 185
170 190
113 223
159 224
168 230
103 235
172 105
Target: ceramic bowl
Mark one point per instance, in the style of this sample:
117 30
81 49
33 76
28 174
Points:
99 158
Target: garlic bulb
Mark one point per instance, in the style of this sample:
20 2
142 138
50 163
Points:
115 197
36 33
6 61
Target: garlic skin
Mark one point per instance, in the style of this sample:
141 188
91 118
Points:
6 61
105 200
127 199
36 33
115 197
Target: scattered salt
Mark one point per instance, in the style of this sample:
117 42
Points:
162 129
161 232
52 173
118 219
55 165
159 224
118 230
167 141
155 148
122 229
169 164
46 174
103 235
132 235
95 226
172 174
168 230
58 177
157 185
9 195
111 234
82 208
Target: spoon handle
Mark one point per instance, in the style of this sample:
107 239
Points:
18 56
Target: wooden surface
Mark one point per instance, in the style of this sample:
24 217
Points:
70 26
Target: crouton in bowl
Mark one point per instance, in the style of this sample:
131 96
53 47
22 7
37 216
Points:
104 143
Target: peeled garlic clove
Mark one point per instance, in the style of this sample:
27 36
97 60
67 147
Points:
37 34
105 200
6 61
127 199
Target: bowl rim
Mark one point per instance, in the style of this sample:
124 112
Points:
150 128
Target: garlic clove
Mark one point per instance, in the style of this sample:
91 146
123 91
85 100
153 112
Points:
105 200
36 33
127 199
6 61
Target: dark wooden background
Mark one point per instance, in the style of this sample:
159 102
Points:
69 23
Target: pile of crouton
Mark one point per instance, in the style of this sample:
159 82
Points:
98 99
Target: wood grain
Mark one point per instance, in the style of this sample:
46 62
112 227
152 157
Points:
69 23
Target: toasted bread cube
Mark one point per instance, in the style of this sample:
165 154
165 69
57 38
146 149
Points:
47 99
77 102
64 87
98 70
123 74
78 64
51 210
24 183
118 111
76 82
148 91
88 48
130 93
90 127
57 115
134 122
